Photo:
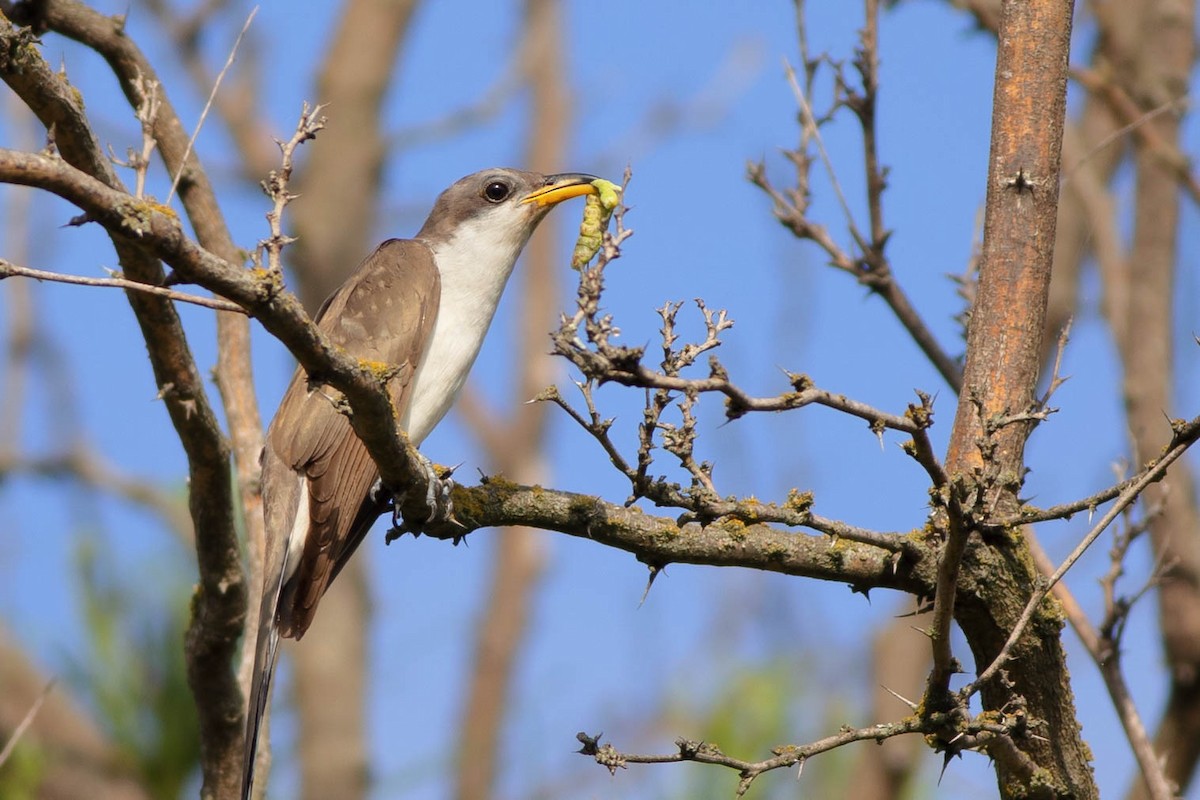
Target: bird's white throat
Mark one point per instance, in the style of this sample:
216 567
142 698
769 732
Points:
474 265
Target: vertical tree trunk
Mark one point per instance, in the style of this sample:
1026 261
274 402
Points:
986 453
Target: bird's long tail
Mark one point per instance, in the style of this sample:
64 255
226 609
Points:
266 652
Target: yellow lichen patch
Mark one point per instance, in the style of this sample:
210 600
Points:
165 210
501 482
735 528
382 370
799 501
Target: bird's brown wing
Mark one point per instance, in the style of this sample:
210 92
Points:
383 313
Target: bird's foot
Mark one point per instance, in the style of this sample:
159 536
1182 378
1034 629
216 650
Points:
439 504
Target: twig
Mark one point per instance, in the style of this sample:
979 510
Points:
10 270
809 122
275 185
11 744
871 268
981 732
147 109
238 104
208 104
705 504
1056 378
1185 435
1136 120
707 753
1107 660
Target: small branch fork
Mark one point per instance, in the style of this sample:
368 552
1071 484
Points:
275 185
869 264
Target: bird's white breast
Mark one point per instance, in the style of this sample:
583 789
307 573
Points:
474 267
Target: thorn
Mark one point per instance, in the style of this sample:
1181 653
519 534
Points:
591 744
900 697
945 763
654 572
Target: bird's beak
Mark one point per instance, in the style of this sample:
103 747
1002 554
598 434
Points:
562 187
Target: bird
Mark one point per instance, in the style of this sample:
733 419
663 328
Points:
422 306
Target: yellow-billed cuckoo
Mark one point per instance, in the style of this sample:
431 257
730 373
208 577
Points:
423 305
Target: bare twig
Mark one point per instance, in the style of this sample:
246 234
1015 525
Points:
238 105
982 732
601 360
705 505
1107 659
276 187
1185 435
19 731
147 115
871 268
1137 119
10 270
220 605
812 132
208 104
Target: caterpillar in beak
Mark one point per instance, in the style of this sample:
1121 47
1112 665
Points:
597 210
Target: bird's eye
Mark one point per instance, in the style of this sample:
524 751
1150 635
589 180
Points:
496 191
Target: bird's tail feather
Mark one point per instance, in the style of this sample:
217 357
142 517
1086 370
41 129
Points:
266 652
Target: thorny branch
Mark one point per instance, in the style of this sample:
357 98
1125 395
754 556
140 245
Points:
490 504
587 339
156 231
1184 436
982 732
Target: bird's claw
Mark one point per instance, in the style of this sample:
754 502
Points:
439 503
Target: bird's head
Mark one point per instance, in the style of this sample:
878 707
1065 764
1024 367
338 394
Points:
497 209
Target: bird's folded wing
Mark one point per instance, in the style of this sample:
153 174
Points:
384 313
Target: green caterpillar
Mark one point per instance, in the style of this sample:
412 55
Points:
597 210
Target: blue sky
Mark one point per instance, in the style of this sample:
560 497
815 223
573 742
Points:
596 661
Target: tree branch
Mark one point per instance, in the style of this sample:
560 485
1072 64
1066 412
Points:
10 270
221 599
